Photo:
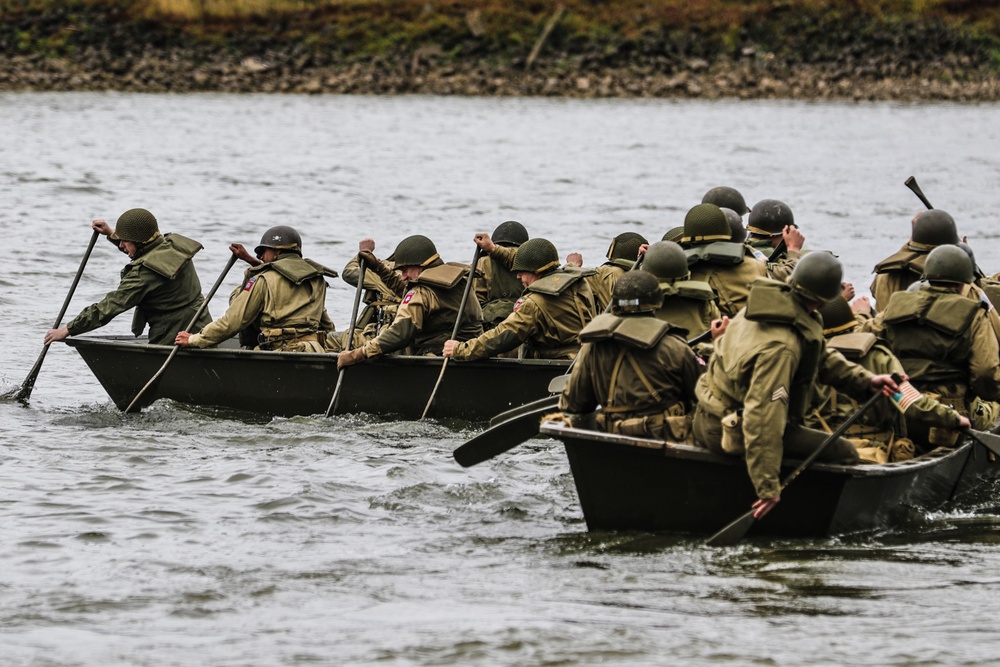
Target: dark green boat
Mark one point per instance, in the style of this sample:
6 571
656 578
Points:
287 384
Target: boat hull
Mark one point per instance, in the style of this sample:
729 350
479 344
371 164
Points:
288 383
627 483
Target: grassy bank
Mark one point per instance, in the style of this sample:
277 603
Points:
413 41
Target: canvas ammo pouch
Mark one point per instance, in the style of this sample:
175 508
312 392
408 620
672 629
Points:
732 433
671 425
269 337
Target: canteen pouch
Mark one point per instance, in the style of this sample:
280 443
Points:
732 434
901 449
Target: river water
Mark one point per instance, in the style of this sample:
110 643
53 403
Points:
183 536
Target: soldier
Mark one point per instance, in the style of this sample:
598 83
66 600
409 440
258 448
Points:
713 258
432 294
770 223
556 304
381 302
283 298
753 397
945 343
896 272
880 434
497 288
622 255
160 282
636 367
689 304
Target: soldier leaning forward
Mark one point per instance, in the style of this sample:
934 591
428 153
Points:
548 317
714 259
160 282
283 298
688 304
622 255
381 302
432 294
945 343
754 395
635 366
880 435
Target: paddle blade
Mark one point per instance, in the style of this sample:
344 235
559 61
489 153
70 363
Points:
500 438
734 532
988 440
549 402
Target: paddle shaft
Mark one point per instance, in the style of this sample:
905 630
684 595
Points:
29 382
737 530
350 335
170 357
458 324
911 183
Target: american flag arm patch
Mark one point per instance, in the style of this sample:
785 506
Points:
905 397
780 394
409 295
249 284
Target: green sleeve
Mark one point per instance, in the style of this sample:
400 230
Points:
133 288
244 310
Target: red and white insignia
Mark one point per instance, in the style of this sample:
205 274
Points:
517 304
409 295
249 285
780 394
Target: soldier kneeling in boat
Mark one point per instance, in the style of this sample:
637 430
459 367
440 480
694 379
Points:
753 398
637 367
880 434
554 308
431 293
283 297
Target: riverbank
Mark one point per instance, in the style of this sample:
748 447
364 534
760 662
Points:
785 50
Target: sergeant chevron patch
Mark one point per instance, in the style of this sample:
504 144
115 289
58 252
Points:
780 394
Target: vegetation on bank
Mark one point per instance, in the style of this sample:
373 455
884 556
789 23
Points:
871 39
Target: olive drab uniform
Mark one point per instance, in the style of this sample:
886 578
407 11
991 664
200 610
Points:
547 320
689 304
285 300
161 284
381 303
779 267
729 269
640 372
981 290
946 346
754 395
897 272
880 434
607 275
497 288
427 313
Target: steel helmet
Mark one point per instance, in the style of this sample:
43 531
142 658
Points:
735 225
636 292
510 233
626 246
136 225
818 277
281 237
725 197
949 264
415 250
675 234
769 217
667 261
537 256
706 223
837 316
931 229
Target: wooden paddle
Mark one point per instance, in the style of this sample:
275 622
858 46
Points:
990 441
738 529
458 323
132 407
350 334
29 382
521 424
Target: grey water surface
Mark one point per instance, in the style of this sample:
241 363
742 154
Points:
186 536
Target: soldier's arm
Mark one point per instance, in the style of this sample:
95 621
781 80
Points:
130 292
765 413
242 312
504 255
984 371
578 395
408 321
503 337
837 371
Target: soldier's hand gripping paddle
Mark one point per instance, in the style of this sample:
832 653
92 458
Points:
24 392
